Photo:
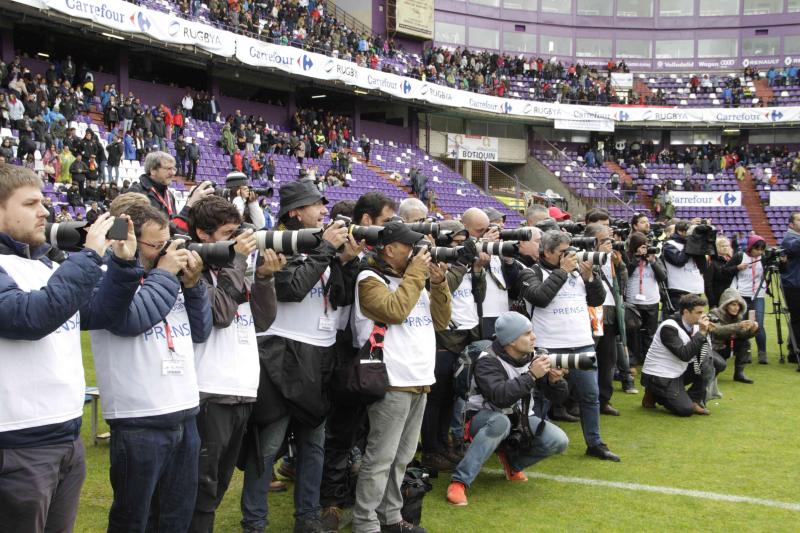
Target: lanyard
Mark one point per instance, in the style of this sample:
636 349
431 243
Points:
753 270
641 276
168 333
162 200
325 287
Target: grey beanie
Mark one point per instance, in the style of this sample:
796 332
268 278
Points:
509 326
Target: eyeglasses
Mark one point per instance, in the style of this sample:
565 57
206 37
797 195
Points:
156 246
168 168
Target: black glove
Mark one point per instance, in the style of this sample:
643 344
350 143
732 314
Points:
468 253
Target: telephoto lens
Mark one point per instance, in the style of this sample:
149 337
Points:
370 234
619 246
501 248
439 254
581 361
584 243
595 258
426 228
289 242
217 254
66 236
571 227
520 234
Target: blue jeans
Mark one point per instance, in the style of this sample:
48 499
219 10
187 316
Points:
154 476
584 383
761 337
308 473
490 428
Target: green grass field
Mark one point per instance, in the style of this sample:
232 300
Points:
747 447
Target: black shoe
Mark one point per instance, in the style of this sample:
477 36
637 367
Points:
437 462
402 527
308 526
739 376
608 409
562 415
601 451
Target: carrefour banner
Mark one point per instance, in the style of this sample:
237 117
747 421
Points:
706 199
784 198
472 147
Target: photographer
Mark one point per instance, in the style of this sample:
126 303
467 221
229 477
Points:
674 360
391 288
560 291
790 273
501 404
413 210
645 273
227 364
297 358
732 334
245 200
614 275
721 271
159 170
684 271
749 280
640 223
146 371
466 280
43 305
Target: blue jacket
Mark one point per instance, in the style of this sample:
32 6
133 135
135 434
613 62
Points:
130 148
790 274
77 285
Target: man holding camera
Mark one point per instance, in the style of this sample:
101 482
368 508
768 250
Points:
500 407
227 364
297 359
685 267
790 273
732 333
560 290
750 283
146 373
674 360
391 289
42 376
645 273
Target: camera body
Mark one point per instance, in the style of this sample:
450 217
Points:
439 254
772 256
702 241
217 254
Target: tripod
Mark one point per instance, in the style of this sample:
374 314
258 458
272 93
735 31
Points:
772 280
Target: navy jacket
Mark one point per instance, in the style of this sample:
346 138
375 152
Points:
77 285
790 273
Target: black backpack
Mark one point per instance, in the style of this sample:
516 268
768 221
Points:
414 488
464 367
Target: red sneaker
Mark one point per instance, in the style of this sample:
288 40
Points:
511 474
456 494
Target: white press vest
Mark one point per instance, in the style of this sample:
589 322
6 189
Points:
140 376
304 321
747 283
659 360
41 381
476 401
686 278
565 322
409 349
464 309
227 363
643 281
496 301
608 275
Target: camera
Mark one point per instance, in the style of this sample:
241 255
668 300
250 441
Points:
71 236
289 242
439 254
772 256
571 227
583 243
595 258
501 248
619 246
521 234
702 241
581 361
370 234
426 228
217 254
657 229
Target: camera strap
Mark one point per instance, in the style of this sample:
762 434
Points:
163 200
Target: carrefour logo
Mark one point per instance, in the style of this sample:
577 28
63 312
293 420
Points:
775 115
728 199
174 28
406 87
506 108
305 62
270 57
622 116
144 23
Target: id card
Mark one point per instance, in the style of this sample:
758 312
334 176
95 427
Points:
243 334
639 297
326 324
172 366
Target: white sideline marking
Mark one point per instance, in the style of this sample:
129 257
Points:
716 496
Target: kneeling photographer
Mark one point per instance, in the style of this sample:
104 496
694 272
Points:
685 258
500 407
750 283
732 333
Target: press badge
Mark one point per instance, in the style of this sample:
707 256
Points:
173 365
639 297
326 324
242 334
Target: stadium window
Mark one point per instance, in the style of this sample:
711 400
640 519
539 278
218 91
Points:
635 8
793 6
592 47
676 8
519 42
484 38
674 49
560 46
762 7
791 44
490 3
522 5
719 8
446 32
596 8
717 47
634 48
761 46
556 6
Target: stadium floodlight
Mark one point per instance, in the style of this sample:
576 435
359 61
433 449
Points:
112 36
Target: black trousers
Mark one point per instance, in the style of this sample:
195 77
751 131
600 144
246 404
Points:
606 349
487 326
347 425
439 408
672 393
192 170
793 304
639 341
739 352
675 299
221 428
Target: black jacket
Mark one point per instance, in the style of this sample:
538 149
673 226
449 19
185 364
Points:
672 341
679 258
162 199
540 293
719 276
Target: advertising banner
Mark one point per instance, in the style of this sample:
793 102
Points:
784 198
584 125
415 17
472 147
706 199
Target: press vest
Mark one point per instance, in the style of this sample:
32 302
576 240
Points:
141 376
476 401
642 281
608 275
686 278
464 309
496 301
42 381
409 349
565 322
749 279
227 363
312 320
660 361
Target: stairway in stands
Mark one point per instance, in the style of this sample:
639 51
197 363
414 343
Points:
763 91
641 88
642 195
752 202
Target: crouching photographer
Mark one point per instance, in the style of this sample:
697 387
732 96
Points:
500 407
732 334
